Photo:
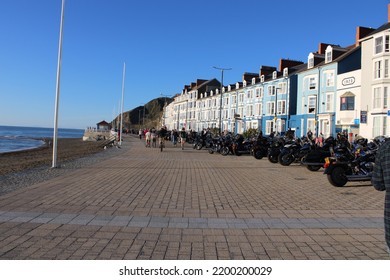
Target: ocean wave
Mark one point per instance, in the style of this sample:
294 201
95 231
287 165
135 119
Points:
13 144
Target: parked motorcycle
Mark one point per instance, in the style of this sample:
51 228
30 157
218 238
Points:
227 145
315 159
294 152
241 145
355 165
276 144
216 145
202 141
260 147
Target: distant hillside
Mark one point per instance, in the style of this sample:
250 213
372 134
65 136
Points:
135 118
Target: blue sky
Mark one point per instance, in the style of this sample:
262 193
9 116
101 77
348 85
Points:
165 45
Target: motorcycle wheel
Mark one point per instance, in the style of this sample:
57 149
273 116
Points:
225 151
285 159
258 154
273 159
211 151
337 178
198 146
313 167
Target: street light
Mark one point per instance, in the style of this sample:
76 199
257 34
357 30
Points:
276 107
220 108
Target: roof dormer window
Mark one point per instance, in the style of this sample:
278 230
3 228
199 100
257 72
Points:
262 78
285 72
253 81
274 75
328 54
244 83
310 61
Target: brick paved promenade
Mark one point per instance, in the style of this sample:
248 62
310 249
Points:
144 204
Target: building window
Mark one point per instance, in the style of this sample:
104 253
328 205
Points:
270 108
271 90
312 83
269 127
377 70
274 75
378 45
283 88
259 109
379 126
385 98
347 103
386 70
285 72
249 110
329 102
329 79
311 125
328 55
312 105
281 107
377 98
310 61
241 98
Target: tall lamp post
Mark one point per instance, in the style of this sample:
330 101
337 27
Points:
57 100
220 108
276 108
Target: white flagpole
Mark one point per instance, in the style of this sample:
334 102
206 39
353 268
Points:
123 93
55 134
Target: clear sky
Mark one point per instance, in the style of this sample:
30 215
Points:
165 45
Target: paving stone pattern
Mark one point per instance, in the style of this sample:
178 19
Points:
189 204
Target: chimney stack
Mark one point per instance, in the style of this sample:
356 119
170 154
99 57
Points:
362 32
388 12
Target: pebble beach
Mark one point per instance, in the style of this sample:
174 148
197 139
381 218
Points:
24 168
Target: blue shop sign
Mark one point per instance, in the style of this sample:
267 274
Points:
363 116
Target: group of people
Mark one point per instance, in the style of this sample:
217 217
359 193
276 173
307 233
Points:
151 135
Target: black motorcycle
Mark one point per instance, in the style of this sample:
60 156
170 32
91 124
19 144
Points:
227 145
202 141
294 152
315 159
216 145
241 145
260 147
355 165
275 146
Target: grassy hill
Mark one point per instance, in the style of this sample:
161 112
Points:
136 117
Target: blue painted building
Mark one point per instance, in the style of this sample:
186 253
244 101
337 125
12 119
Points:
316 92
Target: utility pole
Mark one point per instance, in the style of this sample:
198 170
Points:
57 101
220 108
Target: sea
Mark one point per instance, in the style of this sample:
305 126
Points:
17 138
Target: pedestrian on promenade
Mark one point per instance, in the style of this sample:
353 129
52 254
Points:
183 137
174 136
320 140
147 139
140 134
381 181
153 135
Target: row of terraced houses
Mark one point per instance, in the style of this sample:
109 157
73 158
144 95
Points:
336 89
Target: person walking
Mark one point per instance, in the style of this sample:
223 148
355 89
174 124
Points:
153 135
381 182
174 136
147 138
183 137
